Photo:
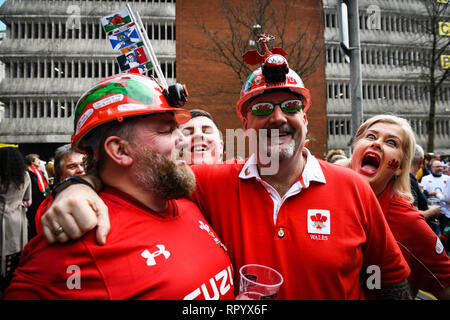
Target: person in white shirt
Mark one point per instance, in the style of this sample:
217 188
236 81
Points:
445 234
433 185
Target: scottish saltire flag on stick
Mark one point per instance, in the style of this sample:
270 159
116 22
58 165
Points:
124 39
116 20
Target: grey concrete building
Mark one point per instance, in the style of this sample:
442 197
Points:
390 82
53 50
2 75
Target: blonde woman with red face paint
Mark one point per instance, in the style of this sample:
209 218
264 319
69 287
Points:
383 148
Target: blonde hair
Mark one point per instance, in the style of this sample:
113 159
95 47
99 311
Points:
401 185
335 155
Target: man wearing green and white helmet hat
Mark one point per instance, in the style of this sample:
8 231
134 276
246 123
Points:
160 246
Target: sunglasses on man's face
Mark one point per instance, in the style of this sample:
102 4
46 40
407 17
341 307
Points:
266 108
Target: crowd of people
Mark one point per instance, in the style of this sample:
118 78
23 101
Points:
25 181
159 214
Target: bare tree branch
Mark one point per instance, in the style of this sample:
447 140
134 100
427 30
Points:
228 45
434 46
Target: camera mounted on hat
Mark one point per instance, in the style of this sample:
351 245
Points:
176 95
275 68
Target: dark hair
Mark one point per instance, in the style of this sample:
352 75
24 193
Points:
92 144
12 168
202 113
31 157
60 153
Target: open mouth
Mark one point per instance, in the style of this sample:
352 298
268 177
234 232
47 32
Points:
370 163
281 135
200 148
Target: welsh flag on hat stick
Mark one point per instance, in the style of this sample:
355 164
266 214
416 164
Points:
116 20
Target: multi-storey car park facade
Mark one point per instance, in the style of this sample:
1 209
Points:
390 84
53 50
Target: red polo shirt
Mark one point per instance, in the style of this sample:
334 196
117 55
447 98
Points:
319 237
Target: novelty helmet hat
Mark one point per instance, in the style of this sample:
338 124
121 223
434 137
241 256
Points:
120 96
273 74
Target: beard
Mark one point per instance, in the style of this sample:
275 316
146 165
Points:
162 176
282 152
437 174
276 151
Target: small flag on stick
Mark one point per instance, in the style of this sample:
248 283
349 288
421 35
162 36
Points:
132 59
124 39
116 20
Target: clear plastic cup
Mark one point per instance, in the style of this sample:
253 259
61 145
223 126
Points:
258 282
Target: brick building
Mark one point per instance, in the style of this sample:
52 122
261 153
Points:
215 87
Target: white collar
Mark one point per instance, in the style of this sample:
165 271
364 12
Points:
311 172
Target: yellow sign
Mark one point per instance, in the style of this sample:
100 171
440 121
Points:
444 28
442 1
4 145
445 61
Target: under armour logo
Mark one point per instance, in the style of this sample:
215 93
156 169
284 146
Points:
151 256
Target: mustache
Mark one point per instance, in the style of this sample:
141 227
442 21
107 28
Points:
283 127
275 130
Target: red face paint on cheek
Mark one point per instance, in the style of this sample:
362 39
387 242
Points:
393 164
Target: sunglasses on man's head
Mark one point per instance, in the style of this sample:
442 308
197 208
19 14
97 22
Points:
266 108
